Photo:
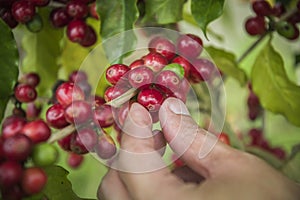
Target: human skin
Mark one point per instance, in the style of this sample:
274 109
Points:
225 173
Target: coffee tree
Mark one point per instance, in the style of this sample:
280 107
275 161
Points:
70 70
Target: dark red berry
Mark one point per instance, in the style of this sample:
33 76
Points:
10 174
136 63
32 79
105 147
279 152
262 8
13 193
78 112
78 76
55 116
84 141
59 17
167 81
155 61
68 92
140 76
252 100
115 72
202 70
33 111
12 125
8 18
23 11
34 180
90 37
77 30
85 87
254 112
256 136
121 114
74 160
25 93
93 11
103 116
255 25
189 46
37 130
17 147
113 92
278 9
150 98
77 9
65 143
163 46
184 63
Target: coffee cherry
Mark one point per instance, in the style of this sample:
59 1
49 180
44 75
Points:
12 125
256 136
78 112
96 101
40 3
93 11
35 24
136 63
55 116
25 93
105 147
68 92
287 30
34 180
77 9
74 160
13 193
23 11
65 143
113 92
140 77
78 76
155 61
76 30
163 46
122 114
255 25
223 137
33 111
189 46
279 153
44 154
90 37
252 100
115 72
10 174
262 8
17 147
150 98
103 116
9 19
59 17
32 79
168 81
201 70
278 9
84 141
184 63
37 130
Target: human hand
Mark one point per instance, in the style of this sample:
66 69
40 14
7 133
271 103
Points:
225 173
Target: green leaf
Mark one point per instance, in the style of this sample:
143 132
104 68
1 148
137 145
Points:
226 62
8 65
205 11
175 67
291 168
163 11
271 84
42 51
58 186
117 16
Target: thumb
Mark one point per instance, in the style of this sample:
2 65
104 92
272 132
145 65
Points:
200 149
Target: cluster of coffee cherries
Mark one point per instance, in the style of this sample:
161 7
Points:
24 150
166 70
256 134
82 117
14 12
73 14
273 18
65 13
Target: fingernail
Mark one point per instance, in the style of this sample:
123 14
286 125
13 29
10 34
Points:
178 107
